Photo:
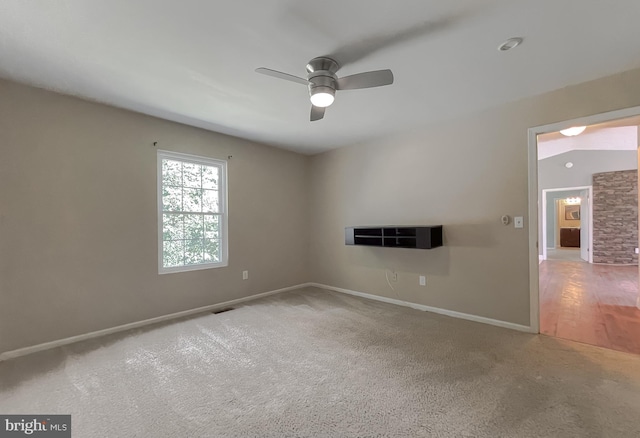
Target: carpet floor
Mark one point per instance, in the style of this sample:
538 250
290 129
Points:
313 363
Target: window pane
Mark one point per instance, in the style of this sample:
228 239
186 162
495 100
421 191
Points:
211 227
209 177
193 226
192 199
210 201
193 252
171 173
192 174
172 228
171 198
212 250
173 253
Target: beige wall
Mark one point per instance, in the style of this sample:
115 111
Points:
463 174
78 242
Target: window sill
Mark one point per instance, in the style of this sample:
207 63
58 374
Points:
177 269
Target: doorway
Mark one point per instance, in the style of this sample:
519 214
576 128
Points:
583 288
567 224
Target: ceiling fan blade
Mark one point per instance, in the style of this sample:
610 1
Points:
316 113
368 79
281 75
361 49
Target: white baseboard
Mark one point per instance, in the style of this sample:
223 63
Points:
73 339
452 313
52 344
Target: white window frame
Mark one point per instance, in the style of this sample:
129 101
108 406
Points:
222 203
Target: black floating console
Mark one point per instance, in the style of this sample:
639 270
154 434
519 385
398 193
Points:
423 237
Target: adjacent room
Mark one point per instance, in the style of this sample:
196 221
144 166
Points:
317 219
588 180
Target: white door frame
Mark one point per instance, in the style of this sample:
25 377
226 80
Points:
534 280
544 217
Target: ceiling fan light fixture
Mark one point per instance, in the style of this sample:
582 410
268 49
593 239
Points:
322 97
573 131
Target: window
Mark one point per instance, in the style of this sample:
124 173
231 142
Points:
192 214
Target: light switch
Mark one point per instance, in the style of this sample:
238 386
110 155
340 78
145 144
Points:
518 222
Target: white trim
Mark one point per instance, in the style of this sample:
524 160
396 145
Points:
590 255
534 263
544 217
532 144
133 325
544 225
452 313
222 199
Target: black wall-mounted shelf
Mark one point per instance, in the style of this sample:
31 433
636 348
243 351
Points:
422 237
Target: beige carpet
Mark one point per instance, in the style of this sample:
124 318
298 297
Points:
315 363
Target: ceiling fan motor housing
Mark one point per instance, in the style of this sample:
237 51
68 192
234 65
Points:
322 75
322 82
322 63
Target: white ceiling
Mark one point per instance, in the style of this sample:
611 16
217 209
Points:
623 138
193 61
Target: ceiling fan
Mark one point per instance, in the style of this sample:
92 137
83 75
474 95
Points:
323 82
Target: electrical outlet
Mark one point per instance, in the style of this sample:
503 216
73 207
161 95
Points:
423 280
518 222
245 275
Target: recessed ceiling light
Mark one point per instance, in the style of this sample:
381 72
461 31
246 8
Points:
568 164
510 44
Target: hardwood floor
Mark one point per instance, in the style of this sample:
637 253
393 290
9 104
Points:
594 304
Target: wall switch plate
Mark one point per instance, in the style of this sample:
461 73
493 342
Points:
637 251
518 222
245 275
423 280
